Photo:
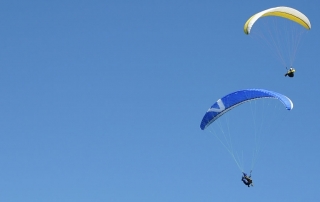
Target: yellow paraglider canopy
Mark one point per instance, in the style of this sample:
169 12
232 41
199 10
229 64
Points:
285 12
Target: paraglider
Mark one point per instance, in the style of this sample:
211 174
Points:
290 72
247 179
282 30
229 105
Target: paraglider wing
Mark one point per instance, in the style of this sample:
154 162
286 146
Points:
234 99
285 12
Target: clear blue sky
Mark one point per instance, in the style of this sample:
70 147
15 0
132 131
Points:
102 101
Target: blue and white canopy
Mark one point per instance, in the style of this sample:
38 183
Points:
234 99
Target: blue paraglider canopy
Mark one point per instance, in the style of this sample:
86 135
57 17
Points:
234 99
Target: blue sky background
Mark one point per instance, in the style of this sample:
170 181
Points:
102 101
